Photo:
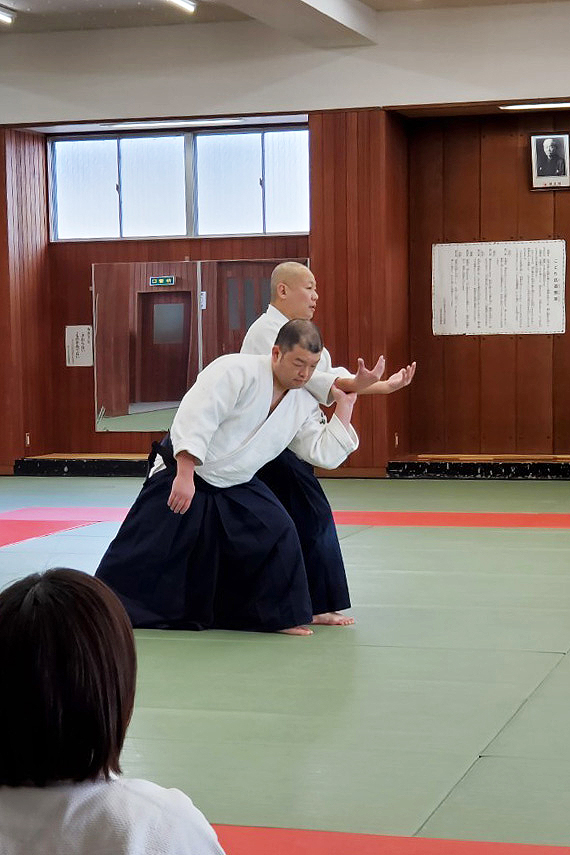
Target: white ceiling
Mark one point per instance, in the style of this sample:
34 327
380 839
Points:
36 16
59 15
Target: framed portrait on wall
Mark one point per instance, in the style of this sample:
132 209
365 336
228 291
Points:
550 161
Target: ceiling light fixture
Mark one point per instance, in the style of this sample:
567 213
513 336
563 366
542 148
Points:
187 5
7 16
170 123
560 105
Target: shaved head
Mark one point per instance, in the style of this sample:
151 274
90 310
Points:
287 272
294 290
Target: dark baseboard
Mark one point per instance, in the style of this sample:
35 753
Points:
101 467
481 470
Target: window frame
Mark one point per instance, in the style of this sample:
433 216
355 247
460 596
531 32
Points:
191 177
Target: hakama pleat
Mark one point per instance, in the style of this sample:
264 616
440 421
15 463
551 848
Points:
232 561
293 482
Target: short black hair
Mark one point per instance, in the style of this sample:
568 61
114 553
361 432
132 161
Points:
304 333
67 679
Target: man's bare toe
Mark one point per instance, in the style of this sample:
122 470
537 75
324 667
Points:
333 619
296 630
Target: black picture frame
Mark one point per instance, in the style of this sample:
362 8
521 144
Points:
550 160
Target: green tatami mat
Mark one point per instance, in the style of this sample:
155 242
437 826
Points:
448 495
519 800
442 713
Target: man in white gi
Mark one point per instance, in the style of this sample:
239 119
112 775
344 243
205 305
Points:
294 295
206 544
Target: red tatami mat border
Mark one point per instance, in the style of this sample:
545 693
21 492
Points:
15 531
84 516
450 518
242 840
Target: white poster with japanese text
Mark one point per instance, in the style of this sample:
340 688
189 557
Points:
515 287
79 345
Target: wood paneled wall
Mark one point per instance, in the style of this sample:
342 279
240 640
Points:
359 254
25 305
70 263
469 181
383 189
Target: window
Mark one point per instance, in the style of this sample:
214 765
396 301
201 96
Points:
86 176
180 184
153 186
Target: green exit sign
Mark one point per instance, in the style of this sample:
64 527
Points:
162 280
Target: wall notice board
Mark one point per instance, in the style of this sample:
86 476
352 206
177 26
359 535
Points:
493 288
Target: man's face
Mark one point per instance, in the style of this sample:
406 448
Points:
299 297
550 147
295 367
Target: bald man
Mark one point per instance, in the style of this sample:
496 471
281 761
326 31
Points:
294 295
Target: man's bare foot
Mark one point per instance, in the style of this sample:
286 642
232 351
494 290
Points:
296 630
333 619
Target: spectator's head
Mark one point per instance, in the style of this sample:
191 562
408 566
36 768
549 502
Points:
67 679
294 290
550 146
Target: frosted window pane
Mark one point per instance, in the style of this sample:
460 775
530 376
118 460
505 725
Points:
287 181
86 179
228 176
153 189
168 323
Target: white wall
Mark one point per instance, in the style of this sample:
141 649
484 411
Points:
438 55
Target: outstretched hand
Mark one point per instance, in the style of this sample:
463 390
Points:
401 378
365 377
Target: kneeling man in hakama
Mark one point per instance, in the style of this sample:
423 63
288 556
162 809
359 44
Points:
207 544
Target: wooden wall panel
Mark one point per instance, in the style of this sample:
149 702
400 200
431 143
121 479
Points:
494 394
25 296
71 263
534 353
10 356
358 186
499 177
427 398
561 343
393 258
461 222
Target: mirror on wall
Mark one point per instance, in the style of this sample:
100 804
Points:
158 323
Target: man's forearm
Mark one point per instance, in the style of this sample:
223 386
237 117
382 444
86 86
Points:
379 387
185 465
343 411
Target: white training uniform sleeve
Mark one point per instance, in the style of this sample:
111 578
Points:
322 443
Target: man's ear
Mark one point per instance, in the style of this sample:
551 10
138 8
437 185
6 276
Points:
275 353
281 290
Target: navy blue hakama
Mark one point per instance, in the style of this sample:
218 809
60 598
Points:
232 561
295 485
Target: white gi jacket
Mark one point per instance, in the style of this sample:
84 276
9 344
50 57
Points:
223 421
117 817
260 338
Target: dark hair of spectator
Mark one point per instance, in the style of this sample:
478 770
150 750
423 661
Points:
304 333
67 679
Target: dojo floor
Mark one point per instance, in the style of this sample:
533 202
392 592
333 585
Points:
442 716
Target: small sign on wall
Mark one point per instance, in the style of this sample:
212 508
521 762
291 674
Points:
162 280
79 345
